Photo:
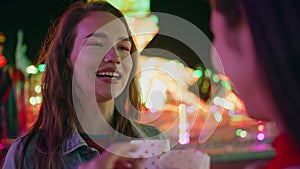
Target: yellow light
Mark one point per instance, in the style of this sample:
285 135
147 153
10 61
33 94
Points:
37 89
31 69
182 114
38 100
208 73
231 97
32 101
260 127
229 105
2 38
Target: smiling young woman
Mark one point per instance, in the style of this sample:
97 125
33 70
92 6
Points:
90 95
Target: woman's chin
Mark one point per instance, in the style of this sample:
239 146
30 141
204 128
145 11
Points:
103 98
107 97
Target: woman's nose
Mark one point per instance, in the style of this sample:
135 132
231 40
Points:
112 56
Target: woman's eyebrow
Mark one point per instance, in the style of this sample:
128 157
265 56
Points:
98 35
124 39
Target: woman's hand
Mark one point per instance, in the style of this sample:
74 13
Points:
117 156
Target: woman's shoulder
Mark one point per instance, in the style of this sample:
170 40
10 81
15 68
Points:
14 152
149 128
146 130
18 142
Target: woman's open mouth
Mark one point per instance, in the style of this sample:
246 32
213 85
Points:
109 75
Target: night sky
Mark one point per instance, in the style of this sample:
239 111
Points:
34 17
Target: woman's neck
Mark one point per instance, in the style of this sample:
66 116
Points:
107 110
96 121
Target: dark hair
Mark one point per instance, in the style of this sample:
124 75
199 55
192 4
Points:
275 26
57 116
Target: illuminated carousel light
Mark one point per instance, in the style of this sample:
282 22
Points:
260 136
32 101
231 113
243 134
198 73
38 99
38 89
218 117
190 109
41 67
260 127
184 138
228 105
216 78
238 132
32 69
208 73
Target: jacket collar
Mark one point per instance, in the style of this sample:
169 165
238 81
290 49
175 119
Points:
73 142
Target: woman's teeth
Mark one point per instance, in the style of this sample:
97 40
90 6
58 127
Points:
112 75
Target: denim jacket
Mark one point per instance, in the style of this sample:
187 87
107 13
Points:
75 150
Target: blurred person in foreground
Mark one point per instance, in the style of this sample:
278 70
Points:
258 45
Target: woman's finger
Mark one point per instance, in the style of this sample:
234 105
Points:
129 163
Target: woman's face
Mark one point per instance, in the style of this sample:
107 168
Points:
101 55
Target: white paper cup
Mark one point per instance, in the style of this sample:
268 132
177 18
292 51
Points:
184 159
150 148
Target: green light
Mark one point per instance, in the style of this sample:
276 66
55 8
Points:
199 82
226 84
216 78
208 73
238 132
218 117
116 3
204 90
41 67
198 73
136 6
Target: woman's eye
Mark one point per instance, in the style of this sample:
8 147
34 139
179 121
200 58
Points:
125 48
97 44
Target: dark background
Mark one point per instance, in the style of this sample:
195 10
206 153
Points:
34 17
